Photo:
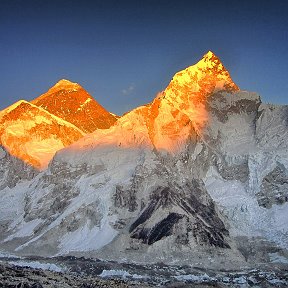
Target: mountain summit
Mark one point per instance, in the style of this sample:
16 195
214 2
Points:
74 104
65 84
190 87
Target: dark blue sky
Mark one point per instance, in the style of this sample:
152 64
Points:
124 52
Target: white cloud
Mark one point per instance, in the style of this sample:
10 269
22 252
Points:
129 89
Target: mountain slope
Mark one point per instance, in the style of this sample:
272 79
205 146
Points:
34 135
188 177
72 103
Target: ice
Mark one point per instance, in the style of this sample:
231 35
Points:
240 280
194 278
38 265
85 239
25 229
276 258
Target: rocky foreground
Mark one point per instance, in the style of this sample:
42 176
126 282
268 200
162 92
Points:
14 276
67 272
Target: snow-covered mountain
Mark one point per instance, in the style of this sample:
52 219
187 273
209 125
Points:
73 103
34 135
200 172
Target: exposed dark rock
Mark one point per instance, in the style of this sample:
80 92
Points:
234 171
176 204
274 187
62 182
89 212
161 229
222 104
125 198
13 170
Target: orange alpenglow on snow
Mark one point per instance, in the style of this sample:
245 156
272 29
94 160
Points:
74 104
190 87
177 115
34 135
179 112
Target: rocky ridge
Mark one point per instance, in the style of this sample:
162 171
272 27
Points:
34 135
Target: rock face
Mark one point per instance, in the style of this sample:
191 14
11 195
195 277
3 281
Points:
33 134
196 171
180 212
14 170
72 103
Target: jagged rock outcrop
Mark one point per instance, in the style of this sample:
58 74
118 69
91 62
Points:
183 208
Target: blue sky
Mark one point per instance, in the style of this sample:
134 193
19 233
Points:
124 52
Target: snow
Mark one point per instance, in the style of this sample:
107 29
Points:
276 258
240 280
277 282
37 265
12 202
43 117
194 278
25 229
112 273
271 127
43 150
245 215
12 107
86 239
121 274
65 85
184 92
139 141
26 137
84 103
7 255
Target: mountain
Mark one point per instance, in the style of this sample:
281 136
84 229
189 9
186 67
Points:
189 88
71 102
198 176
34 135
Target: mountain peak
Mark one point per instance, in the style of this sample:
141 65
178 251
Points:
190 87
208 74
211 62
65 84
209 55
71 102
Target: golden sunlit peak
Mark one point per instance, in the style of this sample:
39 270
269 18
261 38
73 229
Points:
210 60
209 55
206 76
190 87
67 83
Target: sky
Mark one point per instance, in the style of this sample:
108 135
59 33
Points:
125 52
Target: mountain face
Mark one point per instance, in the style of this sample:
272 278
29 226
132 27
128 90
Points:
34 135
72 103
200 172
